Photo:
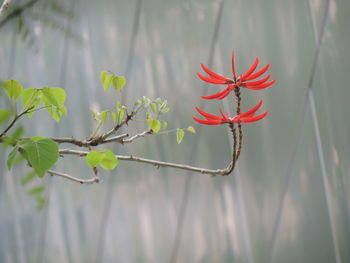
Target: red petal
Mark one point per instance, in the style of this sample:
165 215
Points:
211 80
206 122
252 119
251 70
252 110
258 82
208 116
213 74
225 117
224 95
262 86
258 73
233 66
214 96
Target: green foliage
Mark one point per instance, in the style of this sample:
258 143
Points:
13 89
109 161
54 99
27 178
4 115
119 82
94 158
179 135
107 79
106 159
31 99
42 154
154 124
191 129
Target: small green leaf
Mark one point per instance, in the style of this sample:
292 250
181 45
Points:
107 82
4 115
153 107
164 124
191 129
154 124
41 154
41 202
114 117
119 82
54 99
148 114
13 89
103 75
158 101
12 157
138 103
31 99
146 101
27 178
94 158
109 160
103 116
179 135
120 112
36 190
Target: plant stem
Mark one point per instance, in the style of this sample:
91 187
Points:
240 131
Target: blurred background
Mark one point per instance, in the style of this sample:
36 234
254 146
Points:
288 199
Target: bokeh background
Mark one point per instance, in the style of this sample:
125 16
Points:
288 199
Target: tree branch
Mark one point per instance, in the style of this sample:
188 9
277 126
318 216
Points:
158 164
16 12
14 121
4 6
72 178
139 135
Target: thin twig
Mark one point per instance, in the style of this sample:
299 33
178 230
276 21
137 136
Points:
4 6
16 12
14 121
139 135
75 179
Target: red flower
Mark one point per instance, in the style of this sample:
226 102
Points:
245 117
244 80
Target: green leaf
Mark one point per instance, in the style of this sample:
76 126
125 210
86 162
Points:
138 103
119 82
4 115
191 129
153 107
41 202
94 158
179 135
148 114
103 115
158 101
54 99
103 75
41 154
13 89
164 124
36 190
109 160
146 101
120 112
27 178
31 98
154 124
114 117
107 82
12 157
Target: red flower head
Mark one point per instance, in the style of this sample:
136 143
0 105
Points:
245 117
244 80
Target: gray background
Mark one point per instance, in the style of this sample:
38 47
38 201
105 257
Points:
288 199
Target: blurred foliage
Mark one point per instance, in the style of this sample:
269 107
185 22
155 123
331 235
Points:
26 18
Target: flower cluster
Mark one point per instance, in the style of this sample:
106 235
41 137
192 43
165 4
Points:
246 80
